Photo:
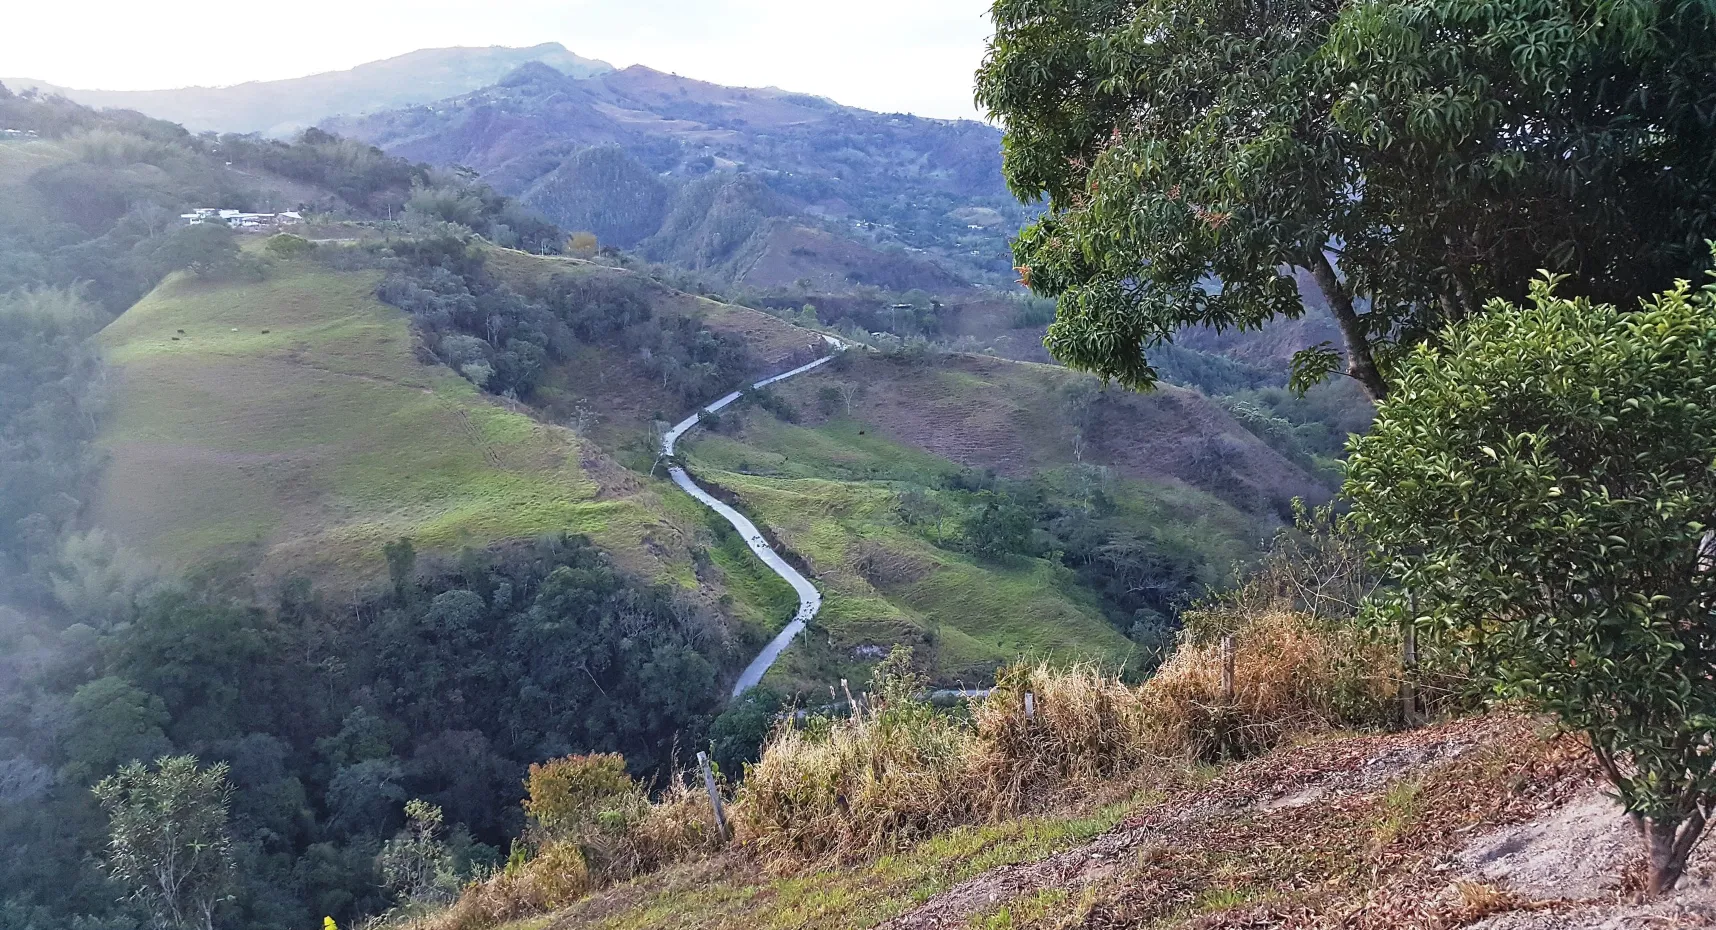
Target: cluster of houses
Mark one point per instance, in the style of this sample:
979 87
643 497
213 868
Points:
240 220
17 134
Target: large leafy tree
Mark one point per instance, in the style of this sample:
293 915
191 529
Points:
1203 160
1543 487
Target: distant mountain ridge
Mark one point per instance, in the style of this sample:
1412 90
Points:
282 107
897 183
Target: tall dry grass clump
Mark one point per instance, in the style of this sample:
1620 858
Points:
591 825
1292 675
1086 725
895 772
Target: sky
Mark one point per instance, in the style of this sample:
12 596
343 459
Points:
913 56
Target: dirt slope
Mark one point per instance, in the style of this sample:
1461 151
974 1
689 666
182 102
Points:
1489 822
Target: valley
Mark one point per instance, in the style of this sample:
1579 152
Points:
497 489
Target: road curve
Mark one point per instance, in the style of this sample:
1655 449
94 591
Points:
809 599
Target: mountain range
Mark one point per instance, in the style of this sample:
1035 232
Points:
279 108
929 189
755 186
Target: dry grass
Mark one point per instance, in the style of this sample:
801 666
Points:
1087 726
556 877
1292 675
621 835
862 786
901 771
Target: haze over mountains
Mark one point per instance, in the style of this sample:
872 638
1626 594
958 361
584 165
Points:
283 107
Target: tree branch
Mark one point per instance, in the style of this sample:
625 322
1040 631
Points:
1360 363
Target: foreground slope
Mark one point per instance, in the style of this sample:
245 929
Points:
287 422
1483 822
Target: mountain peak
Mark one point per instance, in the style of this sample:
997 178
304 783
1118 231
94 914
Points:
532 72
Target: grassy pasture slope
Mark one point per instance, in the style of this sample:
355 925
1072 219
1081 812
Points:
290 423
830 486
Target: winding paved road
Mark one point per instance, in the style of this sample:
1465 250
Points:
809 599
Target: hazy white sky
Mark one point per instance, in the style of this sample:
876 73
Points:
915 56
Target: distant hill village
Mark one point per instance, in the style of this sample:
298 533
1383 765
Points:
240 220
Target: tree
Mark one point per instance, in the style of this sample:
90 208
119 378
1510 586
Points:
203 249
168 840
1205 162
1542 489
997 526
113 722
401 564
417 864
582 245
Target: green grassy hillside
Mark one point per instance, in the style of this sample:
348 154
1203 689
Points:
287 422
875 497
290 423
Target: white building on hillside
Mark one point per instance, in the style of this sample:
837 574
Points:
240 220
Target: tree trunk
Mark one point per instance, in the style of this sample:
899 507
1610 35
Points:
1668 845
1360 363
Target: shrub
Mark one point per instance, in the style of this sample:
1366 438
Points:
568 797
288 246
554 878
1543 488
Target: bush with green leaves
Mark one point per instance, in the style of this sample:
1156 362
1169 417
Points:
169 842
1543 487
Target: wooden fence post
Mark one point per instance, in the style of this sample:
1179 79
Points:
1228 651
1409 665
714 794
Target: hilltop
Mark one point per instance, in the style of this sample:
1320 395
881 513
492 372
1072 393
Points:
281 108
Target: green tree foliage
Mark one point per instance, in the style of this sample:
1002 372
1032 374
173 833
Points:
736 737
331 716
169 842
998 526
417 864
505 340
207 250
1544 489
49 412
401 566
1195 157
